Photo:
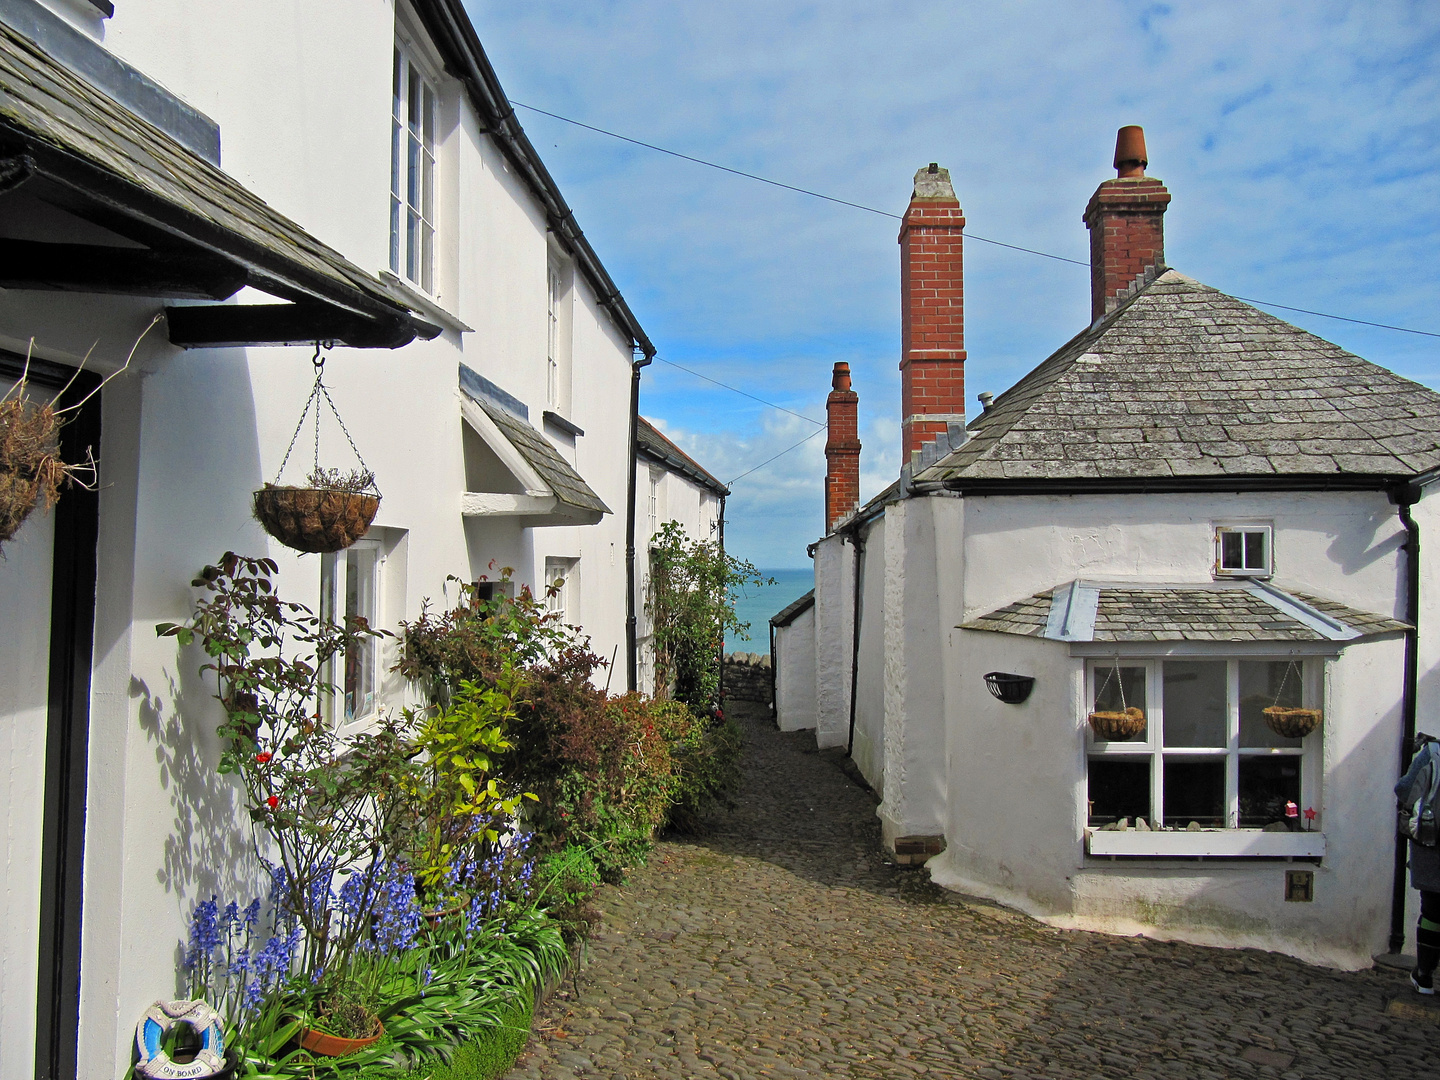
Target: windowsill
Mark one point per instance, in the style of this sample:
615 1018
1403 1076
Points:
413 298
1219 843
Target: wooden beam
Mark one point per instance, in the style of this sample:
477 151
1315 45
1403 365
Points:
223 326
28 264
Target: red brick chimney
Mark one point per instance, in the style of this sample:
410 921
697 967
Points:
932 311
1126 219
842 448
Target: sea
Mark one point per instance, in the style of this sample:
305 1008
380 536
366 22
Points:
756 604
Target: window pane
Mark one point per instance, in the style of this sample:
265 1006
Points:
1266 785
427 257
1195 706
412 246
1231 551
394 235
1195 791
1114 694
1264 683
395 80
1254 551
429 118
359 688
1119 787
412 173
397 155
413 94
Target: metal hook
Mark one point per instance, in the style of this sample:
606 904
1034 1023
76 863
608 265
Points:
317 360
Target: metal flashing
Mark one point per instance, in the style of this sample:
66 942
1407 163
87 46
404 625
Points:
476 385
1073 608
1302 612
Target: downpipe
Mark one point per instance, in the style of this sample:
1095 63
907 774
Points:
1404 498
631 658
859 543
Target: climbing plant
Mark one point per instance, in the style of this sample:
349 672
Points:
690 600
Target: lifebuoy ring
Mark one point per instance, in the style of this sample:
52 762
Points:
158 1019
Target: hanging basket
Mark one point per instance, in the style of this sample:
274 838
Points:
316 520
1011 689
334 509
1117 726
1292 723
30 467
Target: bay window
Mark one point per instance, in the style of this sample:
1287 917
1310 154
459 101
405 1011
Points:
1206 754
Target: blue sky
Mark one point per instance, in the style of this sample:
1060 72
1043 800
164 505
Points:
1301 143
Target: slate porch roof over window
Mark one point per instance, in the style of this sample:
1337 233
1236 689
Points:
1122 611
1183 380
71 135
567 484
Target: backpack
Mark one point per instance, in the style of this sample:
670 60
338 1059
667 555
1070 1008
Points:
1418 791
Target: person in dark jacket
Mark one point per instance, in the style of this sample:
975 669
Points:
1419 794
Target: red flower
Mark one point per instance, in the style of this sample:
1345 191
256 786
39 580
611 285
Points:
273 801
261 759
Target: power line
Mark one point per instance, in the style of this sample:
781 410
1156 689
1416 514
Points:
736 389
887 213
777 457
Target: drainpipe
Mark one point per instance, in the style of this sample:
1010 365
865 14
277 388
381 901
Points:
859 543
1405 497
634 444
774 664
720 692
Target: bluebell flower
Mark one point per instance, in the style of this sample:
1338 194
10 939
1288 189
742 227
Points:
204 932
397 917
252 914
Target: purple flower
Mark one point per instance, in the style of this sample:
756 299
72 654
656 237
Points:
204 932
397 916
252 914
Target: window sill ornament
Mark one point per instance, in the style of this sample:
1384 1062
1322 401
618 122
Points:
335 509
157 1022
1011 689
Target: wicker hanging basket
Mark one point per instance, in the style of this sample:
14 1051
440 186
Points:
30 467
1292 723
316 520
334 509
1118 726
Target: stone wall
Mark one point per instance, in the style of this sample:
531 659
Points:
747 677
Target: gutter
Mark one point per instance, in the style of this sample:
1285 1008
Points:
1163 485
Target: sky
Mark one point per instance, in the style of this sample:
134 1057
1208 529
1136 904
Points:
1300 142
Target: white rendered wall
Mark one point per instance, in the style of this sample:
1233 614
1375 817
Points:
1016 783
795 673
834 622
24 696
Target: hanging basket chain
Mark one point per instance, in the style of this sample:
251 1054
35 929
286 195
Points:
318 391
1280 690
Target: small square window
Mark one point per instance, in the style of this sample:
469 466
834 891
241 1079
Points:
1242 551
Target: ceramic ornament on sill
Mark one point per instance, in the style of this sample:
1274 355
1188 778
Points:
334 508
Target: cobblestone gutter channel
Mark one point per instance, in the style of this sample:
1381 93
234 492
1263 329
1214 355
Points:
782 944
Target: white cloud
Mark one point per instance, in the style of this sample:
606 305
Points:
1298 139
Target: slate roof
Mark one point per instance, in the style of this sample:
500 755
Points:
793 610
59 118
653 444
567 484
1183 380
1220 611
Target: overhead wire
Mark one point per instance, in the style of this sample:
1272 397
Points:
777 457
898 217
742 393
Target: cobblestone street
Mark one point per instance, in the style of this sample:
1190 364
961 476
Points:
782 944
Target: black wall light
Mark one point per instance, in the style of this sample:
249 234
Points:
1011 689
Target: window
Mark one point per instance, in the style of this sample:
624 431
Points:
1242 550
350 589
656 475
1206 754
562 583
555 292
412 173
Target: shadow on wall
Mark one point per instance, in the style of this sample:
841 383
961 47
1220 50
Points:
208 850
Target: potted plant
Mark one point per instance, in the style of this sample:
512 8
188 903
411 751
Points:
31 470
330 513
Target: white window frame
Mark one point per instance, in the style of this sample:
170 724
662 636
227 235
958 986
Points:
1266 532
1151 746
555 293
337 710
657 476
414 177
565 601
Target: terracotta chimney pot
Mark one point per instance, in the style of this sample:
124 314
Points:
1130 159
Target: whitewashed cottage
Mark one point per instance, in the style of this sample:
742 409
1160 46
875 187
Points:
263 176
1193 509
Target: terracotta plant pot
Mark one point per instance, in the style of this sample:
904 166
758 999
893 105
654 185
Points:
327 1045
1117 726
1292 723
315 520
